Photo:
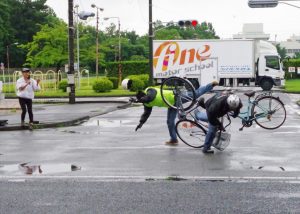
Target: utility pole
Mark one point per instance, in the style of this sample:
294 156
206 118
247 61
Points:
119 66
71 79
77 40
97 43
150 44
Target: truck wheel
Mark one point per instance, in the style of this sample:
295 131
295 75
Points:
266 84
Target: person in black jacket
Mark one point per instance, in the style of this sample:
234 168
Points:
216 107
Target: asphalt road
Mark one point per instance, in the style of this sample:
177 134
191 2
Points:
118 170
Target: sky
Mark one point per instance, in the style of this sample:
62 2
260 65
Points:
227 16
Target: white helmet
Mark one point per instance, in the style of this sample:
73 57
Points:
233 101
126 84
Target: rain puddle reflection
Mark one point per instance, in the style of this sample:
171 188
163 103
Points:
107 123
36 169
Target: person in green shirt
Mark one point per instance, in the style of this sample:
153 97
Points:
151 97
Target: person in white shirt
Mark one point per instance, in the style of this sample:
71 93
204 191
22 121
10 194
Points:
25 92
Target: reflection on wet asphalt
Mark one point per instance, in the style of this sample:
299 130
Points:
109 146
35 169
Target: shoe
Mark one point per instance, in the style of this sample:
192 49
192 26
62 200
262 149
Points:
172 142
22 123
30 126
208 151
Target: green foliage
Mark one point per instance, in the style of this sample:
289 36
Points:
115 81
137 84
128 68
19 21
62 85
49 46
102 85
291 63
143 77
281 51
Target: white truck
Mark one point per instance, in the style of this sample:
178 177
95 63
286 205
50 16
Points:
231 62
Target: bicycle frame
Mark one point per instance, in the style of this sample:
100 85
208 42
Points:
247 117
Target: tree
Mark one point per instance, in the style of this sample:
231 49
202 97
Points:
281 51
19 21
49 46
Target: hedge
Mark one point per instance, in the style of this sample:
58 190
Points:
115 81
291 63
137 84
102 85
143 77
62 85
128 68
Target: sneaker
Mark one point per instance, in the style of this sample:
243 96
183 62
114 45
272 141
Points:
30 126
208 151
172 142
22 123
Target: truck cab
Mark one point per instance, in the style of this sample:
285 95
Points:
269 71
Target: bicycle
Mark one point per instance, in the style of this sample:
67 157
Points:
266 110
192 132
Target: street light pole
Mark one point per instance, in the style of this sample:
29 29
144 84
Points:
77 38
119 49
97 36
71 79
150 44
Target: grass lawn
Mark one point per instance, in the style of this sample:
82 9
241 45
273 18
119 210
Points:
81 93
292 85
84 91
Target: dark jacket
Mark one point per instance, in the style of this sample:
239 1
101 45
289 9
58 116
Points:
150 96
217 107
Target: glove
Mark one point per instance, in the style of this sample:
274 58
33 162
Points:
139 126
133 100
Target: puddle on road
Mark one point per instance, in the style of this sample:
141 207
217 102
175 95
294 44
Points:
107 123
35 169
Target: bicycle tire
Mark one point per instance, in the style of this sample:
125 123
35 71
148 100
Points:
259 121
191 133
190 94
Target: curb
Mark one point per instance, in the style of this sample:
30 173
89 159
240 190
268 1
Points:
73 122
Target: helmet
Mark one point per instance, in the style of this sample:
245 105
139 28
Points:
233 101
126 84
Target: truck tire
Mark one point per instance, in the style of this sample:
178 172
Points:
266 84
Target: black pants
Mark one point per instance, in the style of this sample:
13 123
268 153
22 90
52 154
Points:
26 105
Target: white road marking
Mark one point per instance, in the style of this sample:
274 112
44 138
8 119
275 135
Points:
150 177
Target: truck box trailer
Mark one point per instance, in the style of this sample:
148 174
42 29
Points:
232 62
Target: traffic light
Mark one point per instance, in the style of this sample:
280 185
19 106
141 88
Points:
187 23
262 3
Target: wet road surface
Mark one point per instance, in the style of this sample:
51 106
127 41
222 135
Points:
107 149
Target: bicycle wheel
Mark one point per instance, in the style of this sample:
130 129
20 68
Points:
191 133
269 112
183 91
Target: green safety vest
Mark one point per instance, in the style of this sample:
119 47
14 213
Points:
158 101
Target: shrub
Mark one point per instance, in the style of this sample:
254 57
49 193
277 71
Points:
143 77
137 84
115 81
62 85
102 85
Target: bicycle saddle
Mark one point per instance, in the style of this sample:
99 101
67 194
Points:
250 93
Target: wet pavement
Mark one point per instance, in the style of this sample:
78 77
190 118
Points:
107 146
58 113
105 166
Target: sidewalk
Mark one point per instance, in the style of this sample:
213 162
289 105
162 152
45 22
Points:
57 112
